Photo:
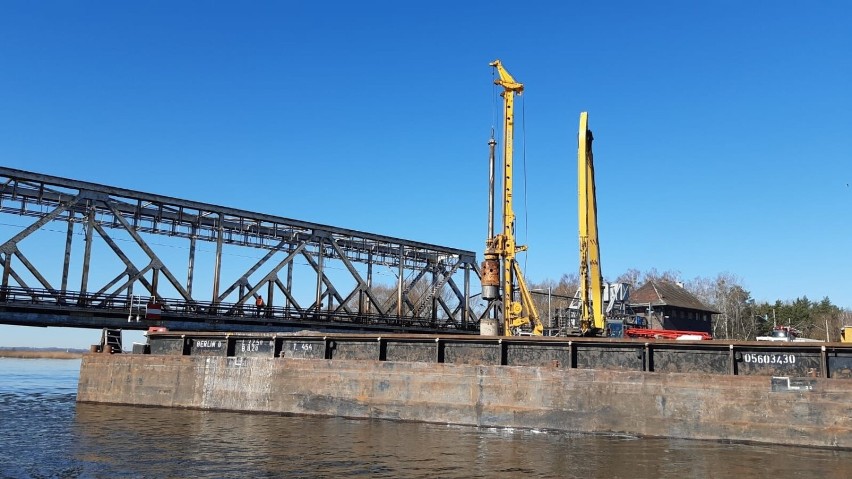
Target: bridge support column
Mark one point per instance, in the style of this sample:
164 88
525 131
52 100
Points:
400 281
319 274
87 255
369 307
270 290
217 268
7 269
434 292
466 309
290 249
191 266
69 236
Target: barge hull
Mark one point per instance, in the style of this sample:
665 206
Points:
811 411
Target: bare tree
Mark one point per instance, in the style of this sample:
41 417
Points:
567 285
632 277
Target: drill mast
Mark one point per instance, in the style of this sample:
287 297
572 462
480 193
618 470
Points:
500 249
591 281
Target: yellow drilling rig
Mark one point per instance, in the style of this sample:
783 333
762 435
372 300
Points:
501 290
590 293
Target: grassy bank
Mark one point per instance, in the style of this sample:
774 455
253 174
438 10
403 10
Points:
36 354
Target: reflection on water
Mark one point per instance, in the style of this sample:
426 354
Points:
166 442
43 433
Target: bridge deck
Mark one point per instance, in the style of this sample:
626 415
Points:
32 307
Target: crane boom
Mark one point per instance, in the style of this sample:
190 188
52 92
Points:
500 249
591 281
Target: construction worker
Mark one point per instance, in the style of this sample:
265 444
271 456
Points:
259 303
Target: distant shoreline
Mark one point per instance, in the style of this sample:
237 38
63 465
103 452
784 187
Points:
36 354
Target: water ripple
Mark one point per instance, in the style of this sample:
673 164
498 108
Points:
44 433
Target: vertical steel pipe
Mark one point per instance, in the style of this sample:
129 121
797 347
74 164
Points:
492 143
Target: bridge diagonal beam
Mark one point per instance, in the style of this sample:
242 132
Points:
394 300
408 302
450 316
142 244
352 294
328 284
492 305
448 281
454 287
113 282
362 285
244 278
462 300
21 282
271 276
459 310
418 306
137 275
124 259
475 268
8 271
435 288
34 271
11 244
290 297
316 306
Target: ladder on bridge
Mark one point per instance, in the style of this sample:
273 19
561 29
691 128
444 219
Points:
111 341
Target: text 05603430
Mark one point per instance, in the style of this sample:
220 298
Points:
758 358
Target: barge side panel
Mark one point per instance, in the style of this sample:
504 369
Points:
801 411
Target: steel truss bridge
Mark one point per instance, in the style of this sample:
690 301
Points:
80 254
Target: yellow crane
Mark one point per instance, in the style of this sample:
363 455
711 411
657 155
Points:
591 281
500 249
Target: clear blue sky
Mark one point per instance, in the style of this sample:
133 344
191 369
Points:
723 130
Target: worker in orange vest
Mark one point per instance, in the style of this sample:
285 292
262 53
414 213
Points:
259 303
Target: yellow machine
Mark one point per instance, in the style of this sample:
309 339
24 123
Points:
591 282
500 249
846 334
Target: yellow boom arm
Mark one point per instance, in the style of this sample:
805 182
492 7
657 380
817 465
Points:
591 295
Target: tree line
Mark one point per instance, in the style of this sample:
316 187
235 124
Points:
739 317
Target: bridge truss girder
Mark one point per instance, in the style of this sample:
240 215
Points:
102 212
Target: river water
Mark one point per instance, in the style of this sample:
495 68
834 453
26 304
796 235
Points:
45 433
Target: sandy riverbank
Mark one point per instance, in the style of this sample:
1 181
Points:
36 354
